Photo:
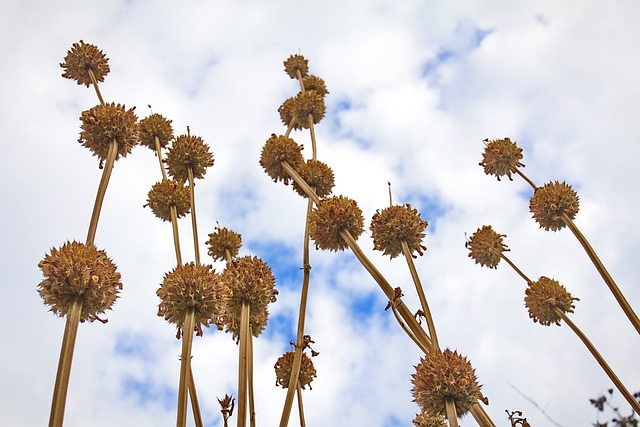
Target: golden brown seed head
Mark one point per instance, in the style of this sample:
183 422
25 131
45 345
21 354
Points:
104 123
284 366
543 296
501 157
154 126
315 84
287 113
318 175
79 271
332 216
81 58
308 103
296 63
188 152
395 224
168 193
442 375
223 240
549 202
192 287
486 246
276 150
257 323
427 420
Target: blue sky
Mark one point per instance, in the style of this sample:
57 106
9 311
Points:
415 87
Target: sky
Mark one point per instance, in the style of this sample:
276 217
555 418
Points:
415 88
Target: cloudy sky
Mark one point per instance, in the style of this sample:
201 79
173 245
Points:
415 87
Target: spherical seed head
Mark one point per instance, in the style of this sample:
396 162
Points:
223 240
442 375
318 175
192 287
276 150
168 193
308 103
104 123
79 271
188 152
395 224
543 296
486 246
154 126
427 420
81 58
549 202
287 113
332 216
296 63
501 157
257 323
284 366
315 84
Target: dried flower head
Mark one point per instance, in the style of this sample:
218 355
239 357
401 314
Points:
427 420
286 111
154 126
284 366
395 224
332 216
257 323
188 152
81 58
315 84
543 296
549 202
105 123
79 271
276 150
165 194
501 157
442 375
308 103
192 287
486 246
318 175
295 63
223 241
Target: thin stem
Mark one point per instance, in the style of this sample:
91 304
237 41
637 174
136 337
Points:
311 194
508 261
195 405
313 137
194 224
159 155
185 367
102 189
523 176
481 416
176 238
613 287
252 403
603 364
452 415
408 331
300 406
95 86
242 365
64 365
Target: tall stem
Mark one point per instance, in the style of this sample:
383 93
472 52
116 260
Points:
452 415
176 237
159 155
185 367
252 402
300 405
481 416
194 223
517 270
195 405
242 365
102 189
523 176
95 86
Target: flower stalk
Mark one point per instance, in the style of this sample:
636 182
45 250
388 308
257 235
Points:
102 189
185 367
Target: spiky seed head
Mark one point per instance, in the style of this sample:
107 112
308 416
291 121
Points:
486 246
257 323
442 375
549 202
315 84
308 103
284 366
165 194
427 420
105 123
395 224
501 157
81 58
79 271
318 175
223 240
287 113
192 287
276 150
154 126
296 63
543 296
188 152
332 216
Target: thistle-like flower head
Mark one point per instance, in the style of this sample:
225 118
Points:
543 296
165 194
318 175
284 366
188 152
395 224
332 216
296 63
223 240
308 103
549 202
315 84
287 113
154 126
81 58
486 246
427 420
276 150
501 157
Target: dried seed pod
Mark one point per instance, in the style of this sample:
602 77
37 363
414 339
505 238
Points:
543 296
318 175
486 246
79 271
192 287
165 194
105 123
296 63
276 150
308 103
287 113
330 217
427 420
549 202
315 84
501 157
284 366
442 375
257 323
154 126
81 58
188 152
395 224
223 240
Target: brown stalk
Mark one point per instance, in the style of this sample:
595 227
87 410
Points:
517 270
523 176
194 399
185 367
95 86
194 224
176 238
408 331
300 406
481 416
452 415
102 189
242 365
252 403
159 154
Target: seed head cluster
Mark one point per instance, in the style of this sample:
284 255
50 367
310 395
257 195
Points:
223 241
316 84
486 246
188 152
543 296
332 216
154 126
318 175
276 150
82 58
395 224
550 202
166 194
284 366
501 157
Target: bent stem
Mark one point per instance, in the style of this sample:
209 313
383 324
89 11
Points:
185 367
452 415
242 365
194 224
194 399
102 189
603 364
64 365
